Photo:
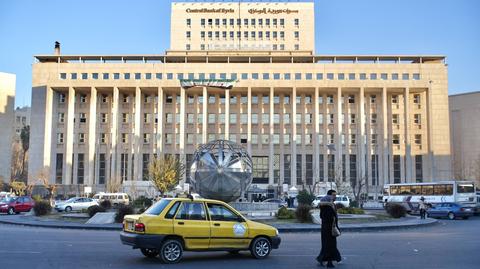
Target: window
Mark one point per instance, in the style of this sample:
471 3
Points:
265 118
396 139
73 76
308 139
84 75
265 139
395 119
83 117
330 76
146 118
363 76
146 138
374 139
373 76
286 76
266 76
351 76
331 118
308 99
331 138
353 167
351 99
254 75
211 99
298 76
106 76
352 119
373 118
254 118
341 76
396 169
418 139
419 170
81 138
83 98
63 75
394 99
61 117
405 76
353 139
260 169
319 76
416 98
287 160
395 76
299 169
125 118
60 138
191 211
233 118
103 138
126 76
211 118
417 118
384 76
219 212
416 76
81 168
296 22
254 99
189 22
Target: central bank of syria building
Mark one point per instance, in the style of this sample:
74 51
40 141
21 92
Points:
245 72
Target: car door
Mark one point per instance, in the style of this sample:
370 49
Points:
77 204
192 224
20 205
228 230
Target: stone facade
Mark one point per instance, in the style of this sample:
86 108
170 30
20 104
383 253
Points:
303 117
7 105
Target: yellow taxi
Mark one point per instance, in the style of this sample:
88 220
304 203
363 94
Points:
174 225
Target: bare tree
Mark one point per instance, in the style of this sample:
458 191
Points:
16 165
43 177
25 138
18 187
114 184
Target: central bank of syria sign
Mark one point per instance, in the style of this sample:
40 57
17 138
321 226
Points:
210 10
214 83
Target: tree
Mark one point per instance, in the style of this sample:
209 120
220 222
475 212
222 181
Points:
16 165
43 177
114 184
25 138
18 187
165 172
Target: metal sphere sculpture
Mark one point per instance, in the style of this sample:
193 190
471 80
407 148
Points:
221 170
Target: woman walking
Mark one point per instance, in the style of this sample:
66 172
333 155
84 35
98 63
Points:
329 231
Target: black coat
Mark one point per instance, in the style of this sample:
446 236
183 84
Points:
329 217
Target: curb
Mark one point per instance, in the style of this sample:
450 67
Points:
282 229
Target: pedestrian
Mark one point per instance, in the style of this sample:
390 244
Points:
422 207
330 230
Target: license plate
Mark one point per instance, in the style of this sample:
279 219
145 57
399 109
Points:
129 225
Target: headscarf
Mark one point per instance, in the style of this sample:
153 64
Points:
327 199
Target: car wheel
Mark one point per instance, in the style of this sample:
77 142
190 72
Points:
149 252
234 252
171 251
260 248
11 211
451 216
68 209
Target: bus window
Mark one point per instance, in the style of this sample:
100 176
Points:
405 190
449 189
465 188
416 190
427 190
439 190
394 190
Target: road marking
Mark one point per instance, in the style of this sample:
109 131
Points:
19 252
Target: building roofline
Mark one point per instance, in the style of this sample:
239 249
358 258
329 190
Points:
464 93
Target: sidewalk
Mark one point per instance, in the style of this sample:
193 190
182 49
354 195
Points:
407 222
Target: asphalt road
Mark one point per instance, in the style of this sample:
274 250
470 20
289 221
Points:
450 244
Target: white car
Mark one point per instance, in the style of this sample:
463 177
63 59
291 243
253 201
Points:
114 198
341 199
75 204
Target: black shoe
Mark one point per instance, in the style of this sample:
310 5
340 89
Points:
330 264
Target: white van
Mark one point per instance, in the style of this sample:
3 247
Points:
114 198
341 199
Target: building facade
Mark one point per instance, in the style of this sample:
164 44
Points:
464 133
304 118
7 105
22 119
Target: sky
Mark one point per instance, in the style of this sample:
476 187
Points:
402 27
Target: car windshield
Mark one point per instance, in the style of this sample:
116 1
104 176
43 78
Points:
158 207
8 200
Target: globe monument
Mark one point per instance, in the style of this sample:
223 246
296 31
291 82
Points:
221 170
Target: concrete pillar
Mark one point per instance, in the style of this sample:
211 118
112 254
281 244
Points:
293 118
408 144
92 121
249 121
339 131
227 114
70 135
160 118
316 142
361 138
385 140
182 130
271 146
114 135
137 141
205 115
431 159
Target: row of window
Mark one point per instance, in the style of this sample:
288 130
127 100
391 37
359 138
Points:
220 118
243 76
244 22
232 46
246 34
265 138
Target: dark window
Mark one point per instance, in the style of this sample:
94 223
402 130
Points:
396 169
287 162
418 168
321 168
353 168
172 211
331 167
81 168
309 169
123 166
101 170
59 168
374 170
260 169
221 213
146 161
299 169
344 168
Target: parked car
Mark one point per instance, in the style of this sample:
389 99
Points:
277 201
15 205
341 199
450 210
75 204
114 198
174 225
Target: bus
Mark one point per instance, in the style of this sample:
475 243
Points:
462 192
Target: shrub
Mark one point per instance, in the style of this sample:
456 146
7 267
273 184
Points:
122 211
42 208
304 197
351 210
106 204
354 203
285 213
396 210
37 198
303 213
339 206
94 209
142 202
